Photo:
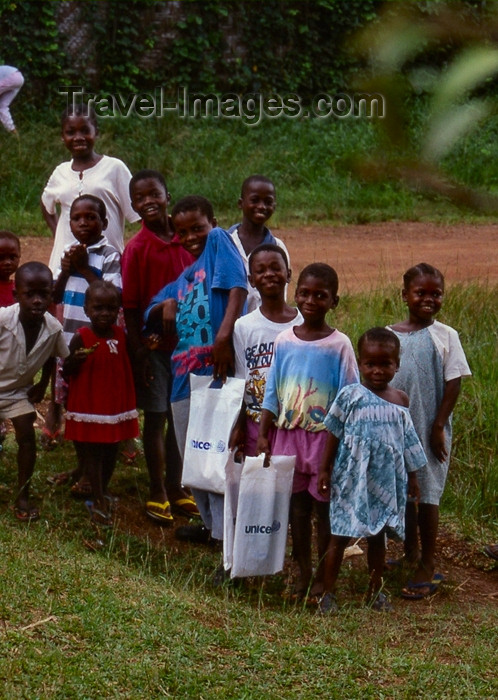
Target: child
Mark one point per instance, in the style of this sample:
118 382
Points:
29 340
203 304
11 81
432 365
10 254
371 446
90 259
254 336
86 173
98 419
153 258
257 202
311 364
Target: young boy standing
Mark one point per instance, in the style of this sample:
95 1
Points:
152 259
257 202
254 337
30 339
203 304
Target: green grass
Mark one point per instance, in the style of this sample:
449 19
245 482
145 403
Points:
136 620
310 161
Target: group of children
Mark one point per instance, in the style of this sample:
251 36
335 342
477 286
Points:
183 284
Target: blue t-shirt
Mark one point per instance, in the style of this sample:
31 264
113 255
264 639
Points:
201 292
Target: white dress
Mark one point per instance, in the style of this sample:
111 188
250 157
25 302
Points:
109 179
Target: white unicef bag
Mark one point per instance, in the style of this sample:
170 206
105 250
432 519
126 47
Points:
213 412
262 516
233 470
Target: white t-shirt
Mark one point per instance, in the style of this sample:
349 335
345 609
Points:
253 340
109 179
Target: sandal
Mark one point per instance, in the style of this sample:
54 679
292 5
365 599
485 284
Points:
49 441
81 489
185 506
492 551
98 517
160 512
415 591
60 479
26 515
381 603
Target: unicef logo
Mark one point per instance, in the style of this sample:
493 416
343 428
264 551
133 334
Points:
220 446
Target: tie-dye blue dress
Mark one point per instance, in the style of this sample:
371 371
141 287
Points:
378 446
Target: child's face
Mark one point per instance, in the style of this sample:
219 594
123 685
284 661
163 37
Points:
314 298
192 228
258 202
378 363
102 309
9 258
34 293
269 274
79 135
150 200
424 297
86 224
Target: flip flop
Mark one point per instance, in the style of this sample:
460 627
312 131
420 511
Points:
26 515
98 517
60 479
160 512
185 506
81 489
413 590
49 441
492 551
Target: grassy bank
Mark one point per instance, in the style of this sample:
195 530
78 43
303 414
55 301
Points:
310 161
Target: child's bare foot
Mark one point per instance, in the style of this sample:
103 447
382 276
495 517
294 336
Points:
25 512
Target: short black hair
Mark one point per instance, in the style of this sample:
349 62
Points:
92 198
80 109
380 335
323 272
255 178
194 202
147 174
102 284
9 236
271 248
421 269
32 267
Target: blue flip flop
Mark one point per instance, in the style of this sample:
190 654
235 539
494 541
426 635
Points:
413 590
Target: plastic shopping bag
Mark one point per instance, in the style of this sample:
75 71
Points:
213 412
233 471
262 516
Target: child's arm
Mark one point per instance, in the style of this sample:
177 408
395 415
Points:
37 391
164 312
450 396
61 281
78 355
265 424
50 219
327 465
413 487
238 435
79 261
223 358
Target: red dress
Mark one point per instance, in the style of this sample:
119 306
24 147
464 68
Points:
101 404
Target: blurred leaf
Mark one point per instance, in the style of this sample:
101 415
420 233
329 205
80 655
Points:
449 126
467 72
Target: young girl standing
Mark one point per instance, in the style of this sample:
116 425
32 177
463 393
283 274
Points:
312 362
371 446
97 419
432 365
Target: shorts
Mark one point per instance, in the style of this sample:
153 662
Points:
252 432
155 397
15 403
308 448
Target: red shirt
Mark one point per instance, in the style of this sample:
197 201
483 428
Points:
148 264
6 293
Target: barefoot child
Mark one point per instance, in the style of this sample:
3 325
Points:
254 337
371 446
203 305
432 365
99 418
311 364
153 258
30 339
10 254
257 202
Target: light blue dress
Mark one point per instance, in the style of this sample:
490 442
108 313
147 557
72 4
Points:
378 446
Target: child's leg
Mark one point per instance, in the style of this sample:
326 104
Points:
109 457
376 557
174 462
153 440
411 547
91 454
428 522
26 456
301 507
323 538
333 561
